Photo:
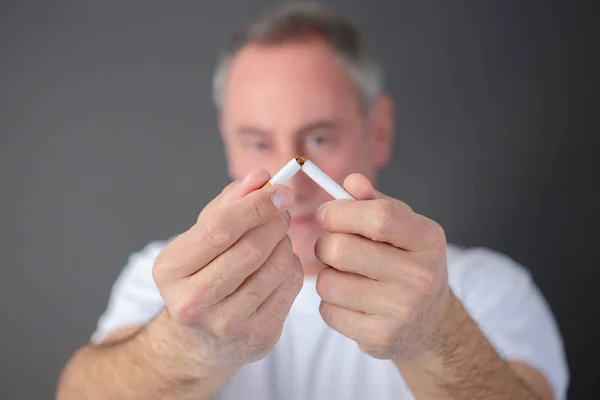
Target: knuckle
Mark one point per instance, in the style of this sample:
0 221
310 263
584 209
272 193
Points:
184 313
259 335
255 296
252 251
283 302
160 273
217 233
388 207
409 313
435 235
396 310
259 212
230 186
404 205
222 325
383 219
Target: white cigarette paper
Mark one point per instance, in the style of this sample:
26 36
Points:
286 173
312 171
323 180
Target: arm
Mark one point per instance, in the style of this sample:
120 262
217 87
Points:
467 366
389 272
140 363
222 291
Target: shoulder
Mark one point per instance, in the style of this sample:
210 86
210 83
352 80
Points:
134 298
503 299
482 271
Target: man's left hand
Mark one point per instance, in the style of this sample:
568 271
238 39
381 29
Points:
386 282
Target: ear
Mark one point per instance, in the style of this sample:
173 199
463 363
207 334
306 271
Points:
382 120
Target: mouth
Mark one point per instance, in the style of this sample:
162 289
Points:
302 219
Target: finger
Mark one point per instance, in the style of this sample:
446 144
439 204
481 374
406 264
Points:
237 189
354 325
356 292
383 220
259 286
223 227
251 182
360 187
277 306
226 273
377 261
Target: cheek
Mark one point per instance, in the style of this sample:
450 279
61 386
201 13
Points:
337 172
339 166
241 162
237 165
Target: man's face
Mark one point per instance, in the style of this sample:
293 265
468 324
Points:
295 99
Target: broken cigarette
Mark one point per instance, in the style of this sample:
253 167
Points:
286 173
325 181
313 172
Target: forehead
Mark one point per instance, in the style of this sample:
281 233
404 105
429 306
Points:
289 83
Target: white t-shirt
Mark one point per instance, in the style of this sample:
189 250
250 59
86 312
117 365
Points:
313 362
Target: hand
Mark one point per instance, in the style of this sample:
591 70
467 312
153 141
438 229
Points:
230 280
386 284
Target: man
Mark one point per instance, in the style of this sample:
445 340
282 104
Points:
282 293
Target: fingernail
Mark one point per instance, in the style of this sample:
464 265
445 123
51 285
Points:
280 199
320 215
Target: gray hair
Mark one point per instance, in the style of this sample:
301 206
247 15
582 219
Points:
296 19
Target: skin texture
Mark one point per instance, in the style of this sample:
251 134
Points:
229 281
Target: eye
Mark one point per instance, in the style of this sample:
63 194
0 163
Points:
317 140
259 145
256 145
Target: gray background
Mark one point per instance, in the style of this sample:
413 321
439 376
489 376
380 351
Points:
109 140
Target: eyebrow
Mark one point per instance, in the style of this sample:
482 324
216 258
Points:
304 130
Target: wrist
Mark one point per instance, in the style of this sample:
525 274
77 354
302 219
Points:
180 352
447 335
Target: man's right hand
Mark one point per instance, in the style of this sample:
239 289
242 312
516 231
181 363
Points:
228 282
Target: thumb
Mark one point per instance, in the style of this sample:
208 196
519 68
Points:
361 188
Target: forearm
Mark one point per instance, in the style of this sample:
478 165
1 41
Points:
463 366
150 364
